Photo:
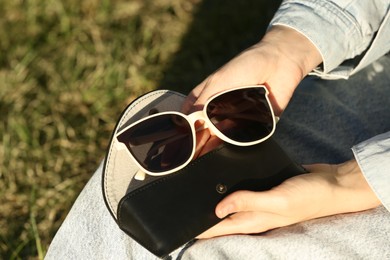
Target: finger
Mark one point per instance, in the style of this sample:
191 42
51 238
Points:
202 137
242 223
188 104
243 200
212 143
204 92
320 167
233 74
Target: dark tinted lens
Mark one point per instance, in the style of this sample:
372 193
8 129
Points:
160 143
242 115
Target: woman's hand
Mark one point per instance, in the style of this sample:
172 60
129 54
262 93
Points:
279 61
326 190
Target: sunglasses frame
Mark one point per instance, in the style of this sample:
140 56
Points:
191 119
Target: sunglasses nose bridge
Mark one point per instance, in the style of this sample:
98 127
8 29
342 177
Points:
195 116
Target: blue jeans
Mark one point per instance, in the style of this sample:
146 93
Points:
321 124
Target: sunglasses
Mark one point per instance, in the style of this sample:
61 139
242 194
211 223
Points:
165 142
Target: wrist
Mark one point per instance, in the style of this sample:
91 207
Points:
357 193
294 47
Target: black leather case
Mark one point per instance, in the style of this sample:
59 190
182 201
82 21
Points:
163 213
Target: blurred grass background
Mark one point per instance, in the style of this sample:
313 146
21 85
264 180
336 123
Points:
68 68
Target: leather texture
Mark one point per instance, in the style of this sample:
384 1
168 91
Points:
171 210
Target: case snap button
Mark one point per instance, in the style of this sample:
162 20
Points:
221 188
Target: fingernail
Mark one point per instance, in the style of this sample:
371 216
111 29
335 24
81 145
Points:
224 210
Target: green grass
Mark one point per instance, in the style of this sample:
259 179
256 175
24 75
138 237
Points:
68 68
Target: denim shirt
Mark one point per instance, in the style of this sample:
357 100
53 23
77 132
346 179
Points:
349 34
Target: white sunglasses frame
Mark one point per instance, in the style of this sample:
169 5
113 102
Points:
191 119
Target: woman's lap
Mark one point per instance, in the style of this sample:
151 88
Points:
352 236
326 118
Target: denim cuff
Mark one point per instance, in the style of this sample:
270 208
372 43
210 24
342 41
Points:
334 30
373 156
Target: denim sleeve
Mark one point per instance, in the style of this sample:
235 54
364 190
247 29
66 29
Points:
340 29
373 157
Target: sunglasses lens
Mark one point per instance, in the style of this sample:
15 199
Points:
242 115
160 143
